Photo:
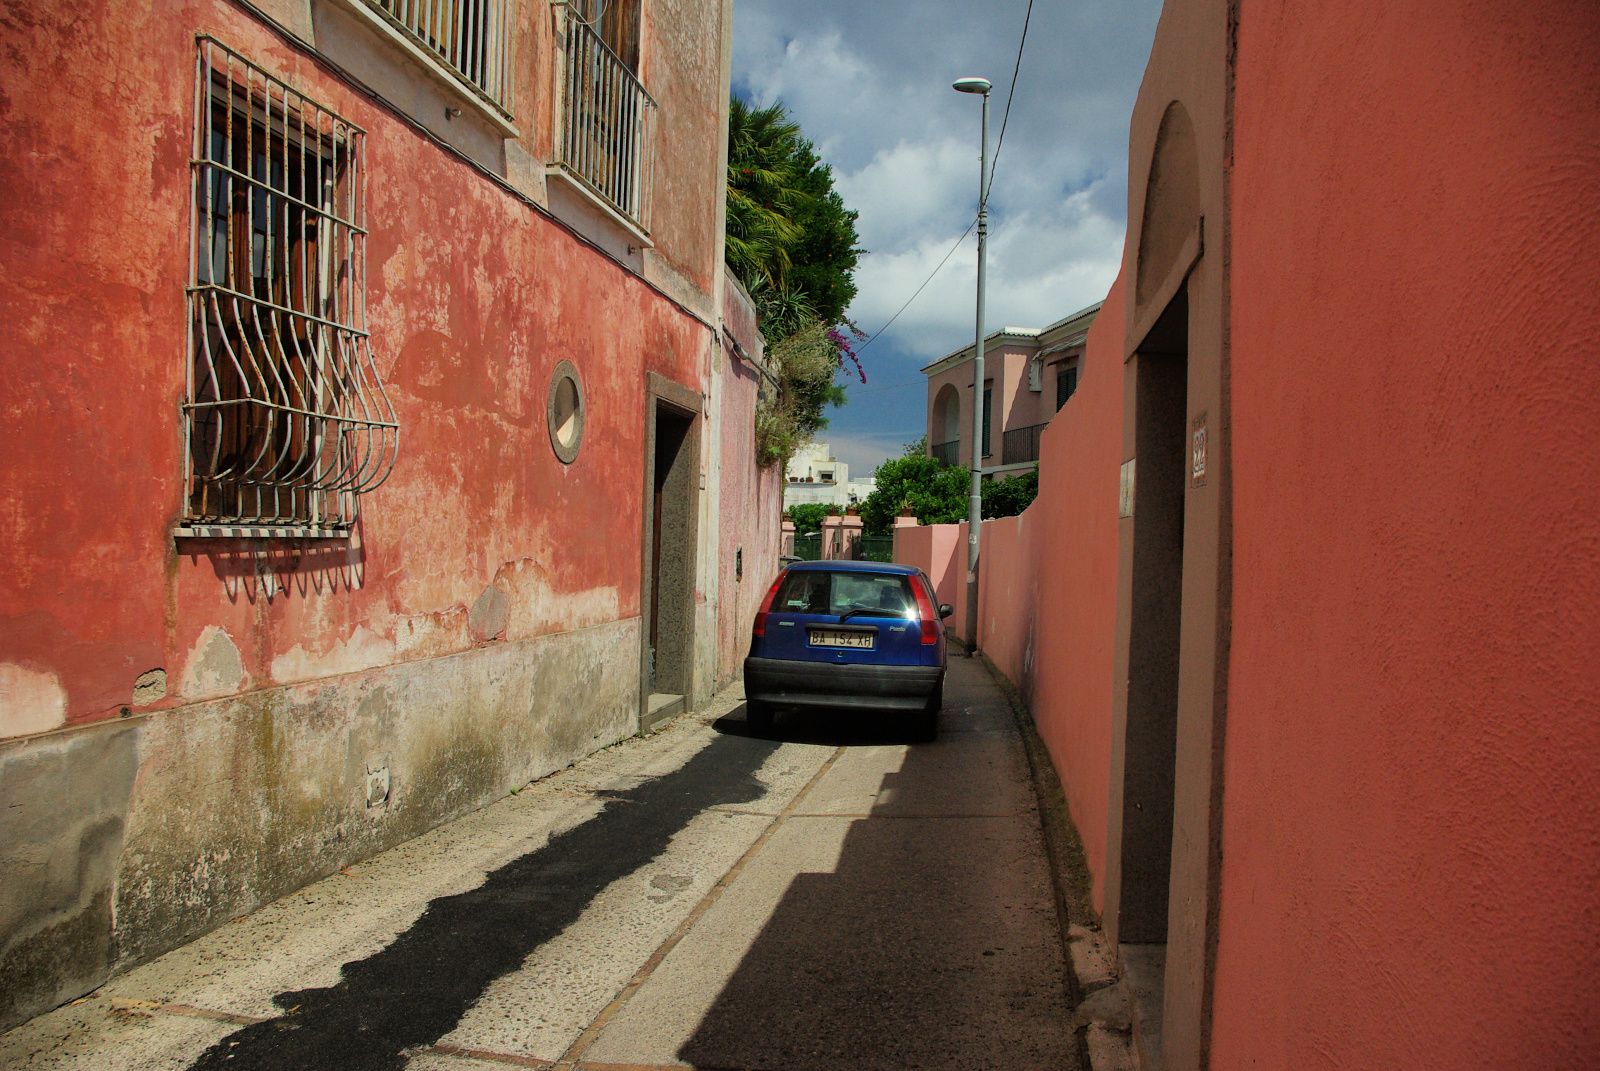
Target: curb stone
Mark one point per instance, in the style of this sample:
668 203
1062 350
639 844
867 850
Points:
1101 1016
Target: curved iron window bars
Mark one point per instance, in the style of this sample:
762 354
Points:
286 419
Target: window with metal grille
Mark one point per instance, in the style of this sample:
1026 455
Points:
286 419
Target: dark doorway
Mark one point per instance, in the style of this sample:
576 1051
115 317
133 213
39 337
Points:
669 582
1160 412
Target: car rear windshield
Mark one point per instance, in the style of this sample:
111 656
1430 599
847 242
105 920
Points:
814 591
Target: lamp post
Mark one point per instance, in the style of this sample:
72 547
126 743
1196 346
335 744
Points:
980 86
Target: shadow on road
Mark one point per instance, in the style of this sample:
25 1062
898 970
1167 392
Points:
930 942
828 727
415 991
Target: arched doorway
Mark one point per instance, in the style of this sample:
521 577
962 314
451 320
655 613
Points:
945 440
1169 700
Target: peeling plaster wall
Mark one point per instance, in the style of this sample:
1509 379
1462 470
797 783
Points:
684 67
63 817
473 298
122 840
241 800
480 627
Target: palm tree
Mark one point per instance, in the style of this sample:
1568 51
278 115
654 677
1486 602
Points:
763 193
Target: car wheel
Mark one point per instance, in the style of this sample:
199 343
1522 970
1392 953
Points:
759 715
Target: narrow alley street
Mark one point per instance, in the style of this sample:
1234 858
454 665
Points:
829 897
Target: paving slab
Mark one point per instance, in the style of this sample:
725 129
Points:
98 1033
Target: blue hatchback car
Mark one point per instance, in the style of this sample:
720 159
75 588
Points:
848 634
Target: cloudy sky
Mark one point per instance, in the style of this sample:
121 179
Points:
869 82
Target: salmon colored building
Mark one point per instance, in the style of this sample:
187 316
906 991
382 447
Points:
1308 605
378 437
1029 373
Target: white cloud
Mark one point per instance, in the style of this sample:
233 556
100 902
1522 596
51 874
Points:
1042 264
910 188
870 85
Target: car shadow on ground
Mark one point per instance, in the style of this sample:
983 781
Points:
830 726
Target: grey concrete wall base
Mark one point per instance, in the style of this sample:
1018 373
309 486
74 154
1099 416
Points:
1102 1015
63 811
119 842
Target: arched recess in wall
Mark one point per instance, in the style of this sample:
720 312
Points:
946 415
1169 238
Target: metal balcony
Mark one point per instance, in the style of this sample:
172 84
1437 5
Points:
949 453
466 36
1021 444
607 138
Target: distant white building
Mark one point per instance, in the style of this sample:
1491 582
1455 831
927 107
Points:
815 475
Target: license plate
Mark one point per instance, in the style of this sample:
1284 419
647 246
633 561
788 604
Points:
820 638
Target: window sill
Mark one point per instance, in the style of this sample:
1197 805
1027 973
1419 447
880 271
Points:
259 531
497 118
639 236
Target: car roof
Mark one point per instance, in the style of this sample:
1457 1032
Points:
853 567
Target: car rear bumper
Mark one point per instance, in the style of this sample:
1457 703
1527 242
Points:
824 684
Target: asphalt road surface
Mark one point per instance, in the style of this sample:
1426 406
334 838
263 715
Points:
827 896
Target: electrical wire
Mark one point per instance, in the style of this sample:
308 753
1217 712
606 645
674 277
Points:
937 268
994 163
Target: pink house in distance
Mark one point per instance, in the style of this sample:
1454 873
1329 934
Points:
1029 375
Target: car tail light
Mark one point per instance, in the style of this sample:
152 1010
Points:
926 613
760 627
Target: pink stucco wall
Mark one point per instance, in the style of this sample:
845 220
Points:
1411 819
940 550
751 496
1048 591
1007 595
1410 811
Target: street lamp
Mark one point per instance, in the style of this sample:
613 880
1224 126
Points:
980 86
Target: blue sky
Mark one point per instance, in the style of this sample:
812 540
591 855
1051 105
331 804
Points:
869 82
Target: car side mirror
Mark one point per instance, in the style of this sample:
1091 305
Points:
945 610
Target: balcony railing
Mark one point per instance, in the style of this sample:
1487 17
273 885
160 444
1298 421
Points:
607 142
1021 444
466 36
949 452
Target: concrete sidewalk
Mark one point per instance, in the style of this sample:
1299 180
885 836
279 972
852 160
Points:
827 896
